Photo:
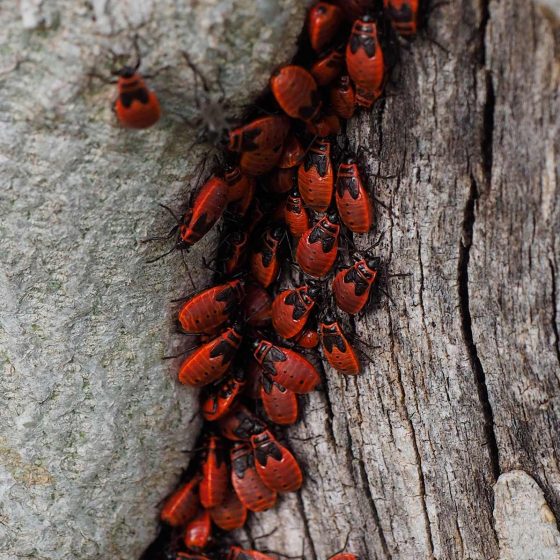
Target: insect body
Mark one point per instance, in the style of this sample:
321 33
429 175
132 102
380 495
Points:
352 286
210 361
315 176
336 348
323 22
220 400
403 15
182 505
342 97
136 106
199 531
277 467
214 482
248 485
364 59
318 247
328 66
286 367
265 264
352 200
230 514
295 90
295 215
280 404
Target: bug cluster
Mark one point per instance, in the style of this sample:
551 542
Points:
289 193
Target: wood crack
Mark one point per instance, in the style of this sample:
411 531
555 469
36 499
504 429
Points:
554 318
466 327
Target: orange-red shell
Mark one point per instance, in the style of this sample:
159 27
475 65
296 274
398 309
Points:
323 22
182 505
231 513
136 106
316 177
352 199
295 90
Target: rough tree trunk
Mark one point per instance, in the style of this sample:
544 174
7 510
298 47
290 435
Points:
446 447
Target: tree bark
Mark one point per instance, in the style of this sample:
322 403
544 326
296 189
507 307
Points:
445 447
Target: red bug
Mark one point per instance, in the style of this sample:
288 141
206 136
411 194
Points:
182 505
220 400
286 367
230 514
322 24
295 90
265 264
291 309
292 154
364 59
295 215
214 469
237 553
352 199
211 360
233 252
240 424
308 338
281 180
207 310
198 533
248 485
327 124
342 97
276 466
136 106
254 378
257 306
336 348
328 67
260 161
352 286
316 177
344 556
318 247
241 190
263 133
403 15
280 404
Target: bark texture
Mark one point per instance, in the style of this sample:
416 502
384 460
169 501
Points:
446 447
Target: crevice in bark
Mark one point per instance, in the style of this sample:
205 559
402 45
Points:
306 529
554 318
466 320
488 130
374 512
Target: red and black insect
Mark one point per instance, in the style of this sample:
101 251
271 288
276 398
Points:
295 90
231 513
265 262
241 190
198 533
308 338
318 247
219 400
316 177
215 475
233 252
182 505
328 66
286 367
323 23
257 306
337 350
237 553
365 62
291 309
352 286
211 360
136 106
247 483
352 199
404 15
295 214
325 124
342 97
281 180
276 466
260 161
240 424
263 133
279 403
207 310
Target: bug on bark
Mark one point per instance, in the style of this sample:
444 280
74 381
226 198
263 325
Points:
316 177
248 485
323 22
276 466
198 532
182 505
214 471
231 513
265 264
240 424
219 400
318 247
337 350
351 286
286 367
211 361
295 90
279 403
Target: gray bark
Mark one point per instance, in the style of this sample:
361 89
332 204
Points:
445 447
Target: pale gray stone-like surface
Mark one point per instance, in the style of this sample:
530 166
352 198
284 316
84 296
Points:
526 527
93 424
